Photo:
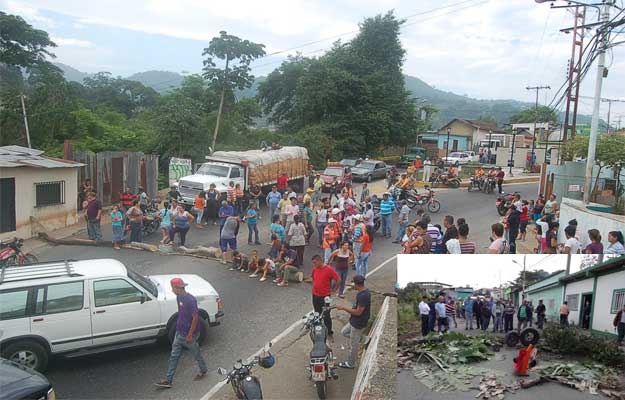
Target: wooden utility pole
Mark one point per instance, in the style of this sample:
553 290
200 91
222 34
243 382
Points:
25 121
221 104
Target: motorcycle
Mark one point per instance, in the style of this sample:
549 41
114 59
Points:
444 179
11 254
427 199
321 364
244 384
489 184
504 202
475 182
151 223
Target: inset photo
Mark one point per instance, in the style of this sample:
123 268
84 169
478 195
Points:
511 326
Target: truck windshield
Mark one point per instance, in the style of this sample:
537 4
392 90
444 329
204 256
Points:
333 172
214 170
143 281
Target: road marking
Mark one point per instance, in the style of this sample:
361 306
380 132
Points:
215 389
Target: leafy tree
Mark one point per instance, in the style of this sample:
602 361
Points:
237 55
120 95
540 114
530 278
21 45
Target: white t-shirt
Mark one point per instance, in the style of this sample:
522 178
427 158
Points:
424 309
269 262
322 216
291 212
369 218
573 244
345 201
453 246
497 245
544 226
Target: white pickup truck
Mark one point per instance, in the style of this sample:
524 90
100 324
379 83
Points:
82 307
246 167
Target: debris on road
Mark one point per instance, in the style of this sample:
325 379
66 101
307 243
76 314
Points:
591 378
490 387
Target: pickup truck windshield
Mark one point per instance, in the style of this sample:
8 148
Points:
143 282
214 170
333 172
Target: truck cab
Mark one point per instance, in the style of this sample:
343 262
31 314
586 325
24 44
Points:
210 172
412 153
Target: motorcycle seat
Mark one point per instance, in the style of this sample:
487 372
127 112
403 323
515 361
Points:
319 350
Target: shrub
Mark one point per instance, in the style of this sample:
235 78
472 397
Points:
581 343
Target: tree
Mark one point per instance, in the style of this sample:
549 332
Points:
489 119
540 114
237 55
21 45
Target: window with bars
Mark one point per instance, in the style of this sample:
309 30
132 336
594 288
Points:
618 300
49 193
572 300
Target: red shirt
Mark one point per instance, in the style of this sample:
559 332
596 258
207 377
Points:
322 279
283 181
366 247
524 214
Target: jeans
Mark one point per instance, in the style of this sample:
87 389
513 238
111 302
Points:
387 220
425 324
508 322
343 275
93 229
318 303
287 271
431 322
252 228
498 324
200 214
401 231
273 210
621 331
564 320
485 321
327 252
320 227
529 320
540 321
451 318
183 234
355 336
468 320
135 231
357 247
362 264
522 323
179 343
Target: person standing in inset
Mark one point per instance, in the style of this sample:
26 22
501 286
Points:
564 314
540 314
500 175
358 320
424 312
94 214
619 324
188 326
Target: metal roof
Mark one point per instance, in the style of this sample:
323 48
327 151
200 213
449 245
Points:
18 156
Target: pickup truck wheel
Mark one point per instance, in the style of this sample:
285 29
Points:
203 331
369 178
27 353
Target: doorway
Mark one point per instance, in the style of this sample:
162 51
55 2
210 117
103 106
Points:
585 316
7 205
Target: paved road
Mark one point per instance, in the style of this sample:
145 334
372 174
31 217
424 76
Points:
477 208
255 313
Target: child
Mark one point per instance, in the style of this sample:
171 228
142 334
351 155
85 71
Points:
165 222
117 219
239 261
276 243
252 264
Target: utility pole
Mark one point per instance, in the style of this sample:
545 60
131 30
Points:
25 120
574 74
594 126
537 89
610 101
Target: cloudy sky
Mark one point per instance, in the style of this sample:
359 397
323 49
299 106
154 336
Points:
478 271
481 48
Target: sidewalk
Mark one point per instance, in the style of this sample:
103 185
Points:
289 379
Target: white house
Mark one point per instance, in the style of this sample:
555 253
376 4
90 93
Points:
36 192
603 287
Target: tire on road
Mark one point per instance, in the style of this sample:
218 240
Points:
171 334
322 390
28 353
434 206
529 336
512 338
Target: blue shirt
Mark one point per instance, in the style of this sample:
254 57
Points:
386 207
440 310
187 308
227 211
279 230
182 221
250 217
166 216
273 199
118 215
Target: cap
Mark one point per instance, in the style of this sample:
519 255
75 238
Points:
358 217
309 190
358 279
335 211
177 282
331 219
292 196
386 194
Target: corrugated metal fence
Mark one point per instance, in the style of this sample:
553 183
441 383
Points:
113 171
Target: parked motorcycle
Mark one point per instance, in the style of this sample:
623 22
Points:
475 183
504 202
244 384
11 253
444 179
151 223
423 199
490 184
321 364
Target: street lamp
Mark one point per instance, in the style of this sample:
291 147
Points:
447 146
522 265
490 141
511 163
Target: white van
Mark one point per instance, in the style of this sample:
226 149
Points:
82 307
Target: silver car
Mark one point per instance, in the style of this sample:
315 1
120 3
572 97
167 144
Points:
369 170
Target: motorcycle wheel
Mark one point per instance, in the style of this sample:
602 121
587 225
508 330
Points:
29 259
501 211
434 206
322 390
470 186
488 188
529 336
454 183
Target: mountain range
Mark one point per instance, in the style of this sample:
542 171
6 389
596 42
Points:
448 104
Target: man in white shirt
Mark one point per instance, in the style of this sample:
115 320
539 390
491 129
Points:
291 211
424 311
427 170
345 200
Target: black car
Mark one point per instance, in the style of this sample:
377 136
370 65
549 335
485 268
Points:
20 382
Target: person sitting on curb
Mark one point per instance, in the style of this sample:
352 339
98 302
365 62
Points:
265 267
286 259
240 261
358 320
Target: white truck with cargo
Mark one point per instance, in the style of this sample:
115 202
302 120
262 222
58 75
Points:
246 168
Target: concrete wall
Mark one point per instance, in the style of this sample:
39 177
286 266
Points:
588 219
552 298
573 173
50 217
578 287
606 284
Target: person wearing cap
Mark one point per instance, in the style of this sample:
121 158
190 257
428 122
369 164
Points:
273 199
330 236
360 234
308 195
292 209
360 313
188 326
402 221
386 214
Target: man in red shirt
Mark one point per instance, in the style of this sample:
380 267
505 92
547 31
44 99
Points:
500 175
322 277
283 182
